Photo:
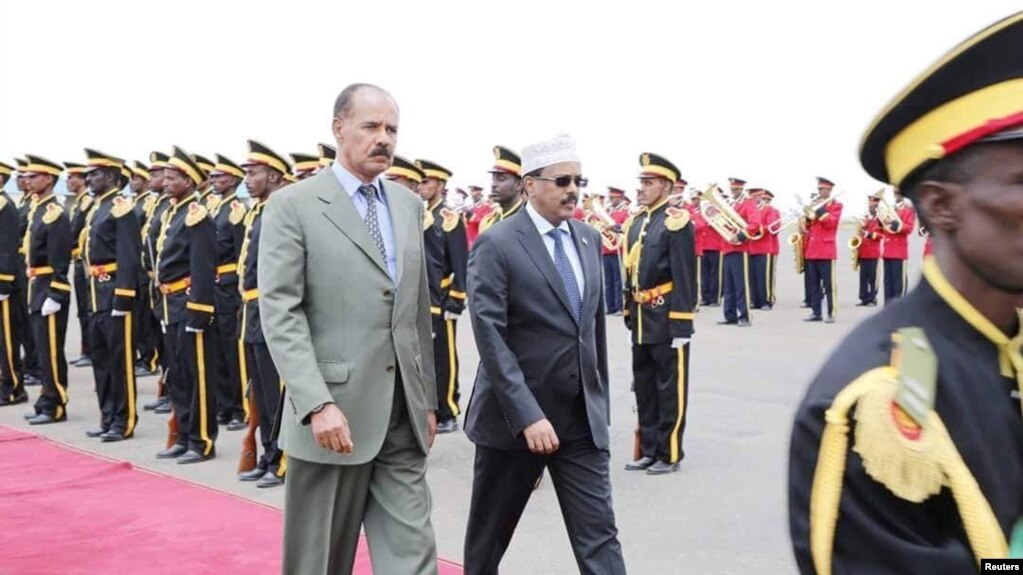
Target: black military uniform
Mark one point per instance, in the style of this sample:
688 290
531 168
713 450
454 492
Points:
155 205
508 162
19 309
186 273
48 256
660 299
907 451
228 213
76 213
447 255
12 283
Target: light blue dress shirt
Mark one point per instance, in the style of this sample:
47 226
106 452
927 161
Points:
544 227
351 184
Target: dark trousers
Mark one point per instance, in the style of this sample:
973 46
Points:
868 280
48 333
113 367
772 279
894 279
190 387
81 283
230 387
148 339
758 280
19 309
736 291
11 385
266 390
502 484
661 382
710 277
164 335
612 283
821 277
806 284
445 358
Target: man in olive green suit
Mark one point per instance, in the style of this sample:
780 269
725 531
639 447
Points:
346 314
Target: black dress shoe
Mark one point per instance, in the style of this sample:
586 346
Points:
726 322
31 379
223 419
662 468
29 415
640 464
252 475
159 401
270 480
447 426
863 304
767 307
96 432
172 452
814 318
163 408
113 436
193 456
236 424
743 323
45 418
14 399
873 303
84 361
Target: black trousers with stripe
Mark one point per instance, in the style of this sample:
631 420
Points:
48 333
710 274
113 367
758 280
736 283
266 389
661 383
772 278
868 280
445 357
822 285
19 308
12 331
230 387
81 283
148 339
191 388
894 279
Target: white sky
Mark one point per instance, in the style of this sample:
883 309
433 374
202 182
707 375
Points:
775 92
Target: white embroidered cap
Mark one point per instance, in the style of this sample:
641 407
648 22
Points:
549 152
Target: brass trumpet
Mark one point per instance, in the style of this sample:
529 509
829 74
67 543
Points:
720 214
596 215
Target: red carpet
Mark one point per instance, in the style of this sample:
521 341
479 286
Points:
64 511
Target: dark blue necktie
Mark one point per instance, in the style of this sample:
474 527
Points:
568 278
370 192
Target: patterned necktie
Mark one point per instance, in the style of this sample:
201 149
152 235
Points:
370 192
567 275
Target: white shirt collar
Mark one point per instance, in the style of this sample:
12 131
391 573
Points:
542 225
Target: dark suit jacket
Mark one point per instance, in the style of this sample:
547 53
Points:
536 361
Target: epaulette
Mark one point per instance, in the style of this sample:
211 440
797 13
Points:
237 212
121 206
212 203
428 219
676 218
53 211
85 203
196 213
148 204
3 202
450 219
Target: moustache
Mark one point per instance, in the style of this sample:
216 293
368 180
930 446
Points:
381 151
570 199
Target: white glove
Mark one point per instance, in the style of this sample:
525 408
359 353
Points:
117 313
679 342
4 296
193 329
50 307
450 315
163 328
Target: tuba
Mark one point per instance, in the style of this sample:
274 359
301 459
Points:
720 214
596 215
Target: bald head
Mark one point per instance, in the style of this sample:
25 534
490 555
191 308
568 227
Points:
346 99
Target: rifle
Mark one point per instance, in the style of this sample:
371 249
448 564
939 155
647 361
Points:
247 458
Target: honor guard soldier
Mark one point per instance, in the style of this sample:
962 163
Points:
112 254
147 330
47 258
907 451
12 283
735 256
898 223
30 363
823 218
76 209
186 272
447 253
265 171
228 213
868 252
304 165
327 155
660 280
206 166
505 187
405 173
155 206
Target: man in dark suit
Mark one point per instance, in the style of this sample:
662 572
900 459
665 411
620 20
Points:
541 393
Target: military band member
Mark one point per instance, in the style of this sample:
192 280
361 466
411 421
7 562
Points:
47 258
304 165
660 297
12 283
735 257
769 215
868 253
155 206
265 171
907 451
76 209
759 247
612 259
895 248
228 213
506 195
481 207
112 254
447 253
19 309
186 274
822 219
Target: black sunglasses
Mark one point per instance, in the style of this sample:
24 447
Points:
565 181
